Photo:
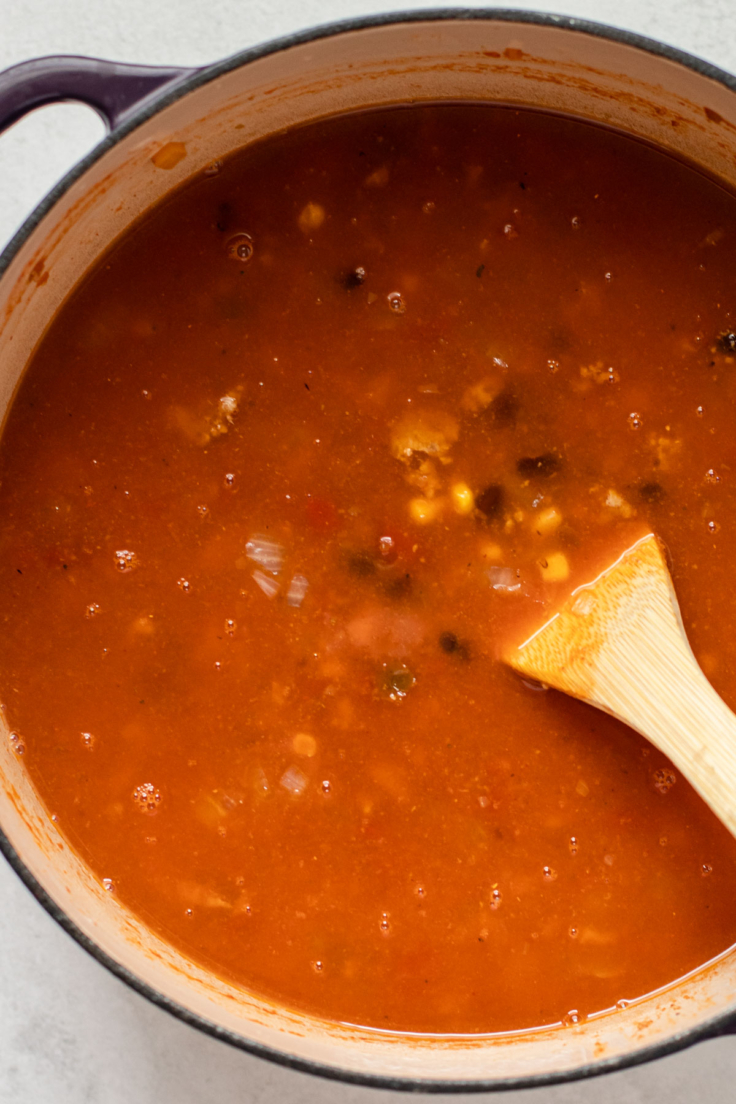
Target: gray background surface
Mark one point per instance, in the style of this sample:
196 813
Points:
70 1032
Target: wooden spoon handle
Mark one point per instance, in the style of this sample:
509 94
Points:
622 647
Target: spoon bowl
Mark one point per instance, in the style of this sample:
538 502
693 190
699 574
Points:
619 644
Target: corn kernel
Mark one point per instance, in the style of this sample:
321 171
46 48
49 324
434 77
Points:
547 521
304 744
423 510
480 395
616 502
554 568
311 217
463 499
492 552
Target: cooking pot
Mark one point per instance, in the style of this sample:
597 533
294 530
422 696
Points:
167 125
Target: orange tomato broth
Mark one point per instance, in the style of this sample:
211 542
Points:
312 441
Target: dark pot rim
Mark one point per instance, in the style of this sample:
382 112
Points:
723 1023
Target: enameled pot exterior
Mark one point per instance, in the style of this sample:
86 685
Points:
166 126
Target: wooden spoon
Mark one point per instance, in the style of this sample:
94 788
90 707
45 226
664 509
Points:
619 643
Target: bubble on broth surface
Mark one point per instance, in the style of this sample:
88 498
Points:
125 560
147 798
240 248
17 743
664 779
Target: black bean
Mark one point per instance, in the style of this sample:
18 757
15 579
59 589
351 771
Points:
449 643
726 341
361 564
559 340
224 216
504 408
652 493
546 465
353 279
490 501
400 587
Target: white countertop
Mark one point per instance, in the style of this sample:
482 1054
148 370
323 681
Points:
70 1033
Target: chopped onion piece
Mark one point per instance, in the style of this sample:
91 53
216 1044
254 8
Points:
504 578
268 585
266 553
297 590
294 781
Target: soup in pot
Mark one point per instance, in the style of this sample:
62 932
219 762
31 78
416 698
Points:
326 429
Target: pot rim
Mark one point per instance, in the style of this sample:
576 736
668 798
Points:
720 1024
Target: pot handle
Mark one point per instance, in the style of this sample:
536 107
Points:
112 88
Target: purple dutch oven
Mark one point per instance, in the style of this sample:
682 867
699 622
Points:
167 125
